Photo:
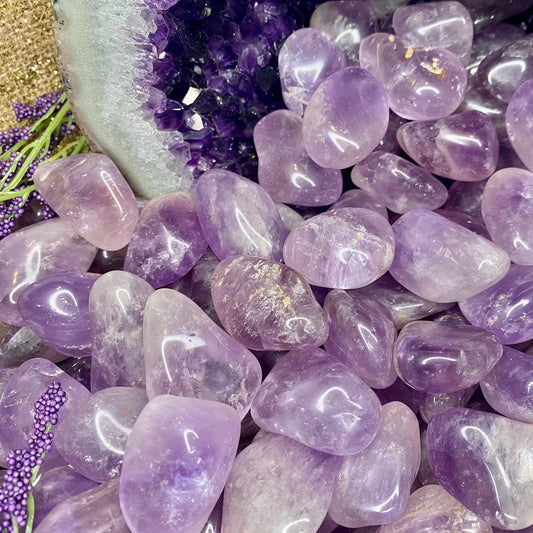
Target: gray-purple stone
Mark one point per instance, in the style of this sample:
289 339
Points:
289 216
466 221
518 121
433 404
342 248
178 458
465 197
400 392
360 198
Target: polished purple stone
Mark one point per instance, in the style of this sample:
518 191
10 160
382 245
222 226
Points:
278 484
361 334
519 124
400 392
342 248
305 60
485 462
360 198
346 118
178 458
266 305
465 197
466 221
316 399
462 147
506 308
285 170
238 217
373 486
35 252
398 183
187 354
435 403
289 216
441 261
382 8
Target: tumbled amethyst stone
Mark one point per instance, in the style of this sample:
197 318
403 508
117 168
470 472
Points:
289 216
316 399
305 60
238 217
465 197
346 118
441 261
342 248
360 198
435 403
519 124
266 305
462 147
466 221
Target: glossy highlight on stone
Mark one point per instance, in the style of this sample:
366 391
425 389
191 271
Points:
518 122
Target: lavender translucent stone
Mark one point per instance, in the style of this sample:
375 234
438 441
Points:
238 217
314 398
277 483
116 305
265 305
305 60
343 248
189 461
506 308
518 122
462 147
431 509
360 198
96 510
167 241
420 83
187 354
345 119
57 309
93 437
433 404
436 25
348 22
444 357
466 221
285 170
507 387
32 253
362 334
441 261
373 486
399 184
289 216
484 461
89 192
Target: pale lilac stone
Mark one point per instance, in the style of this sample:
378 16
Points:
425 475
382 8
277 483
178 458
116 305
436 403
462 147
485 462
437 357
420 83
431 509
506 308
187 354
238 217
96 510
167 241
305 60
398 183
436 25
508 386
343 248
348 22
360 198
441 261
519 124
89 192
361 334
93 436
314 398
465 197
373 486
285 170
266 305
346 118
32 253
289 216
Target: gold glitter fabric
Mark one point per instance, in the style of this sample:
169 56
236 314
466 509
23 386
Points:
28 59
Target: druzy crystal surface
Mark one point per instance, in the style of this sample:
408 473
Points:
189 461
342 248
518 122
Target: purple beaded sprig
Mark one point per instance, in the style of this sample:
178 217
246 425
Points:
16 498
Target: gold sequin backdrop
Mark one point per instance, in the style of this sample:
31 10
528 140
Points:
28 61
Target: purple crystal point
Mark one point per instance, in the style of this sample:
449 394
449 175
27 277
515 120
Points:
441 261
484 461
190 445
518 122
266 305
342 248
305 60
345 119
